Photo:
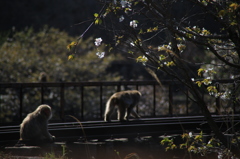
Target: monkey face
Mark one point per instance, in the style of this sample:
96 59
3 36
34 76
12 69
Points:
46 111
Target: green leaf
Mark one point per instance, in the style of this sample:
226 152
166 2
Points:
70 46
200 71
95 15
98 21
70 57
199 83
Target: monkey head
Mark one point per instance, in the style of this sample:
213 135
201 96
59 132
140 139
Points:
45 110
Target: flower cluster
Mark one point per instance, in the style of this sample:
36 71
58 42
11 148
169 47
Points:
100 54
166 48
98 42
121 18
133 23
125 4
143 59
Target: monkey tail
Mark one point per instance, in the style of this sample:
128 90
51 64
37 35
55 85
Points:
109 105
109 108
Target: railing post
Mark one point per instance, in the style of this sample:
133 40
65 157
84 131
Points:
62 102
101 102
118 87
42 94
170 110
136 86
21 102
187 101
218 100
82 102
137 105
154 100
234 97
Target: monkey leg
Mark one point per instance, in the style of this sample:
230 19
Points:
127 115
135 114
131 112
121 113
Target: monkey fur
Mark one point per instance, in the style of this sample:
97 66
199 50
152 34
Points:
125 102
34 127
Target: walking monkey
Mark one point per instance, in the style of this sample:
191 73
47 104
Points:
125 102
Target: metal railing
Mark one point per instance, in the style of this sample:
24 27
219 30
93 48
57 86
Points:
100 85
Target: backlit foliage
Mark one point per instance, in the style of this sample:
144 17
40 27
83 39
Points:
165 38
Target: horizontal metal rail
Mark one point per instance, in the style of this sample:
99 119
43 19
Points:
74 131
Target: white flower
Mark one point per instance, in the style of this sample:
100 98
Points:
190 134
125 4
100 54
210 69
161 58
132 44
211 93
220 155
208 81
144 60
193 79
133 24
144 57
226 95
121 18
217 95
98 41
169 46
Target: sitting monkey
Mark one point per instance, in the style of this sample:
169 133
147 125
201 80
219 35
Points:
34 127
125 101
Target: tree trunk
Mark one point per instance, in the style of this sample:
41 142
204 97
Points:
219 135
